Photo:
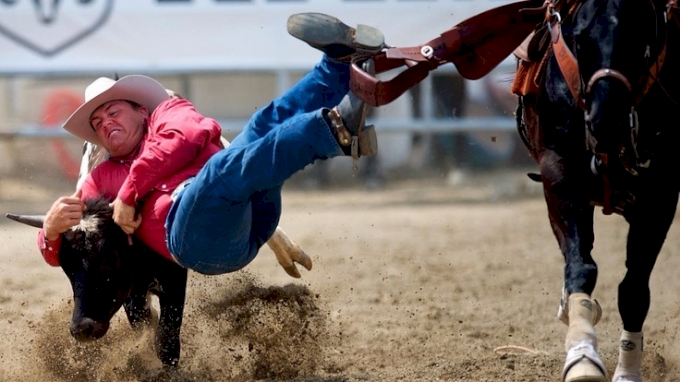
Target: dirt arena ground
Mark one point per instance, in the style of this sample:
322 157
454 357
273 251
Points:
420 281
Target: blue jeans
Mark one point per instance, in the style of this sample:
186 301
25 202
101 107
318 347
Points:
218 223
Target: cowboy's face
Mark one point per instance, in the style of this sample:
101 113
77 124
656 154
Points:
119 126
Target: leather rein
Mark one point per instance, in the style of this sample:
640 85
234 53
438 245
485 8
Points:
475 46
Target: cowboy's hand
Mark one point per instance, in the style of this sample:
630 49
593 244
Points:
64 214
124 216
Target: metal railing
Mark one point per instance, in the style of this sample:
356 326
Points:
233 126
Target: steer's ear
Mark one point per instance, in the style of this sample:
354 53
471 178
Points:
32 220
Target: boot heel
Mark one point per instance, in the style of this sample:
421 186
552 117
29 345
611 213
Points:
368 38
368 142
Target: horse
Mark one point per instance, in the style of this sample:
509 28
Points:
598 90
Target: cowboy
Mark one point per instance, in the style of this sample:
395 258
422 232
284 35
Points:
173 185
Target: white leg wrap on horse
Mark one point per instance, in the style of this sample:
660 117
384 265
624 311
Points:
582 363
584 313
563 309
630 358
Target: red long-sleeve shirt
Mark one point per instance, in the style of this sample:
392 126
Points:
179 141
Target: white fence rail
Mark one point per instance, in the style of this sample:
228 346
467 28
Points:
233 126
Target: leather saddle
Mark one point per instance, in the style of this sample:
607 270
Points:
534 47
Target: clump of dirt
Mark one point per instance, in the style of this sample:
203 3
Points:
239 331
283 329
110 358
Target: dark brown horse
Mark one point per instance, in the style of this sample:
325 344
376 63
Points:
599 87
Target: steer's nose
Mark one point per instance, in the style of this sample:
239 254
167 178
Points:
88 329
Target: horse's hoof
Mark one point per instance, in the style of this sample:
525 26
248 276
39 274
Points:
584 371
583 364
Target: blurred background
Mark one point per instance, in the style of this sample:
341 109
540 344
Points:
230 57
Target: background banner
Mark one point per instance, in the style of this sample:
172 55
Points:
87 36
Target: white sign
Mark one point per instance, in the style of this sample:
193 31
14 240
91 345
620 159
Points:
90 36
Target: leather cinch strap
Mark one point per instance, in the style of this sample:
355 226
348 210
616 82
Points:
475 46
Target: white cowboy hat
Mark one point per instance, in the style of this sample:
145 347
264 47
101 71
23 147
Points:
136 88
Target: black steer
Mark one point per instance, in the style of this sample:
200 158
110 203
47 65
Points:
107 271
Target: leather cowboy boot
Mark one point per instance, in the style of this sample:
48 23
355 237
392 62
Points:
629 366
336 39
343 43
347 121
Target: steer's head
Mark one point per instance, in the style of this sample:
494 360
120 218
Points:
95 255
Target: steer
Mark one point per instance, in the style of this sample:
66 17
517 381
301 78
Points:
108 271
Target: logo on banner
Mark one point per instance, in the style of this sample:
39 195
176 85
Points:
48 27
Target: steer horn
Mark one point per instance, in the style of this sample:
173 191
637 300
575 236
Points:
32 220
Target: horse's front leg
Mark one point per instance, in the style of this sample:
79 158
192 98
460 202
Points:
571 218
650 219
